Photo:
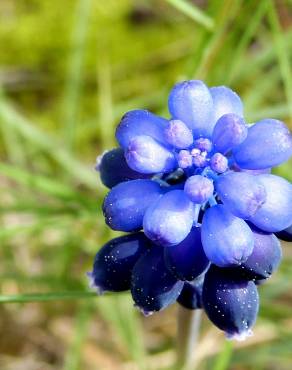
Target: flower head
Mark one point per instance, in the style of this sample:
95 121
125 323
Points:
200 188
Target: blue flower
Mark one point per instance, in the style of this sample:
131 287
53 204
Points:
199 186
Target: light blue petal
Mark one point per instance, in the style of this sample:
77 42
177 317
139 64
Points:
191 102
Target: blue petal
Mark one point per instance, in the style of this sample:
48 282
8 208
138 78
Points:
276 213
169 220
178 134
268 144
225 101
125 205
114 262
153 287
140 122
229 131
191 102
187 260
241 192
146 155
227 240
114 169
199 189
231 304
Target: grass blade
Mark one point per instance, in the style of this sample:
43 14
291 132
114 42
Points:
282 53
9 116
73 84
45 297
193 12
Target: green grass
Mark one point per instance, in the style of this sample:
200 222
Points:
68 73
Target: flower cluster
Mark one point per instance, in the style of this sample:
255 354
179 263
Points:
199 186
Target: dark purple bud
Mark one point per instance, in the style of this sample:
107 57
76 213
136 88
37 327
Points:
231 304
153 286
114 169
285 234
191 294
187 260
114 262
265 258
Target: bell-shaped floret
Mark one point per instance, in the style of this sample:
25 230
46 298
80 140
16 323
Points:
140 122
147 155
191 294
178 134
230 130
285 234
242 193
199 189
265 258
125 205
231 304
227 239
114 169
268 144
276 213
187 260
114 262
191 102
225 101
153 287
169 220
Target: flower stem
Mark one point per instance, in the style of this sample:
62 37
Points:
188 326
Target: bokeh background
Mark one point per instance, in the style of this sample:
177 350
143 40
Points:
68 70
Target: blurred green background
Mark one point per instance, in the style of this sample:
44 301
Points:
68 70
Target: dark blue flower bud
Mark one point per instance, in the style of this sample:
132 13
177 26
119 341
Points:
140 122
285 234
227 240
125 205
187 260
113 263
268 144
264 260
231 304
191 294
114 169
153 287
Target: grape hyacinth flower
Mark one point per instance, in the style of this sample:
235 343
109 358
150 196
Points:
203 210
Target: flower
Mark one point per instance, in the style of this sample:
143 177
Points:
199 186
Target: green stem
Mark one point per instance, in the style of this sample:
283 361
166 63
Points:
43 297
188 326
